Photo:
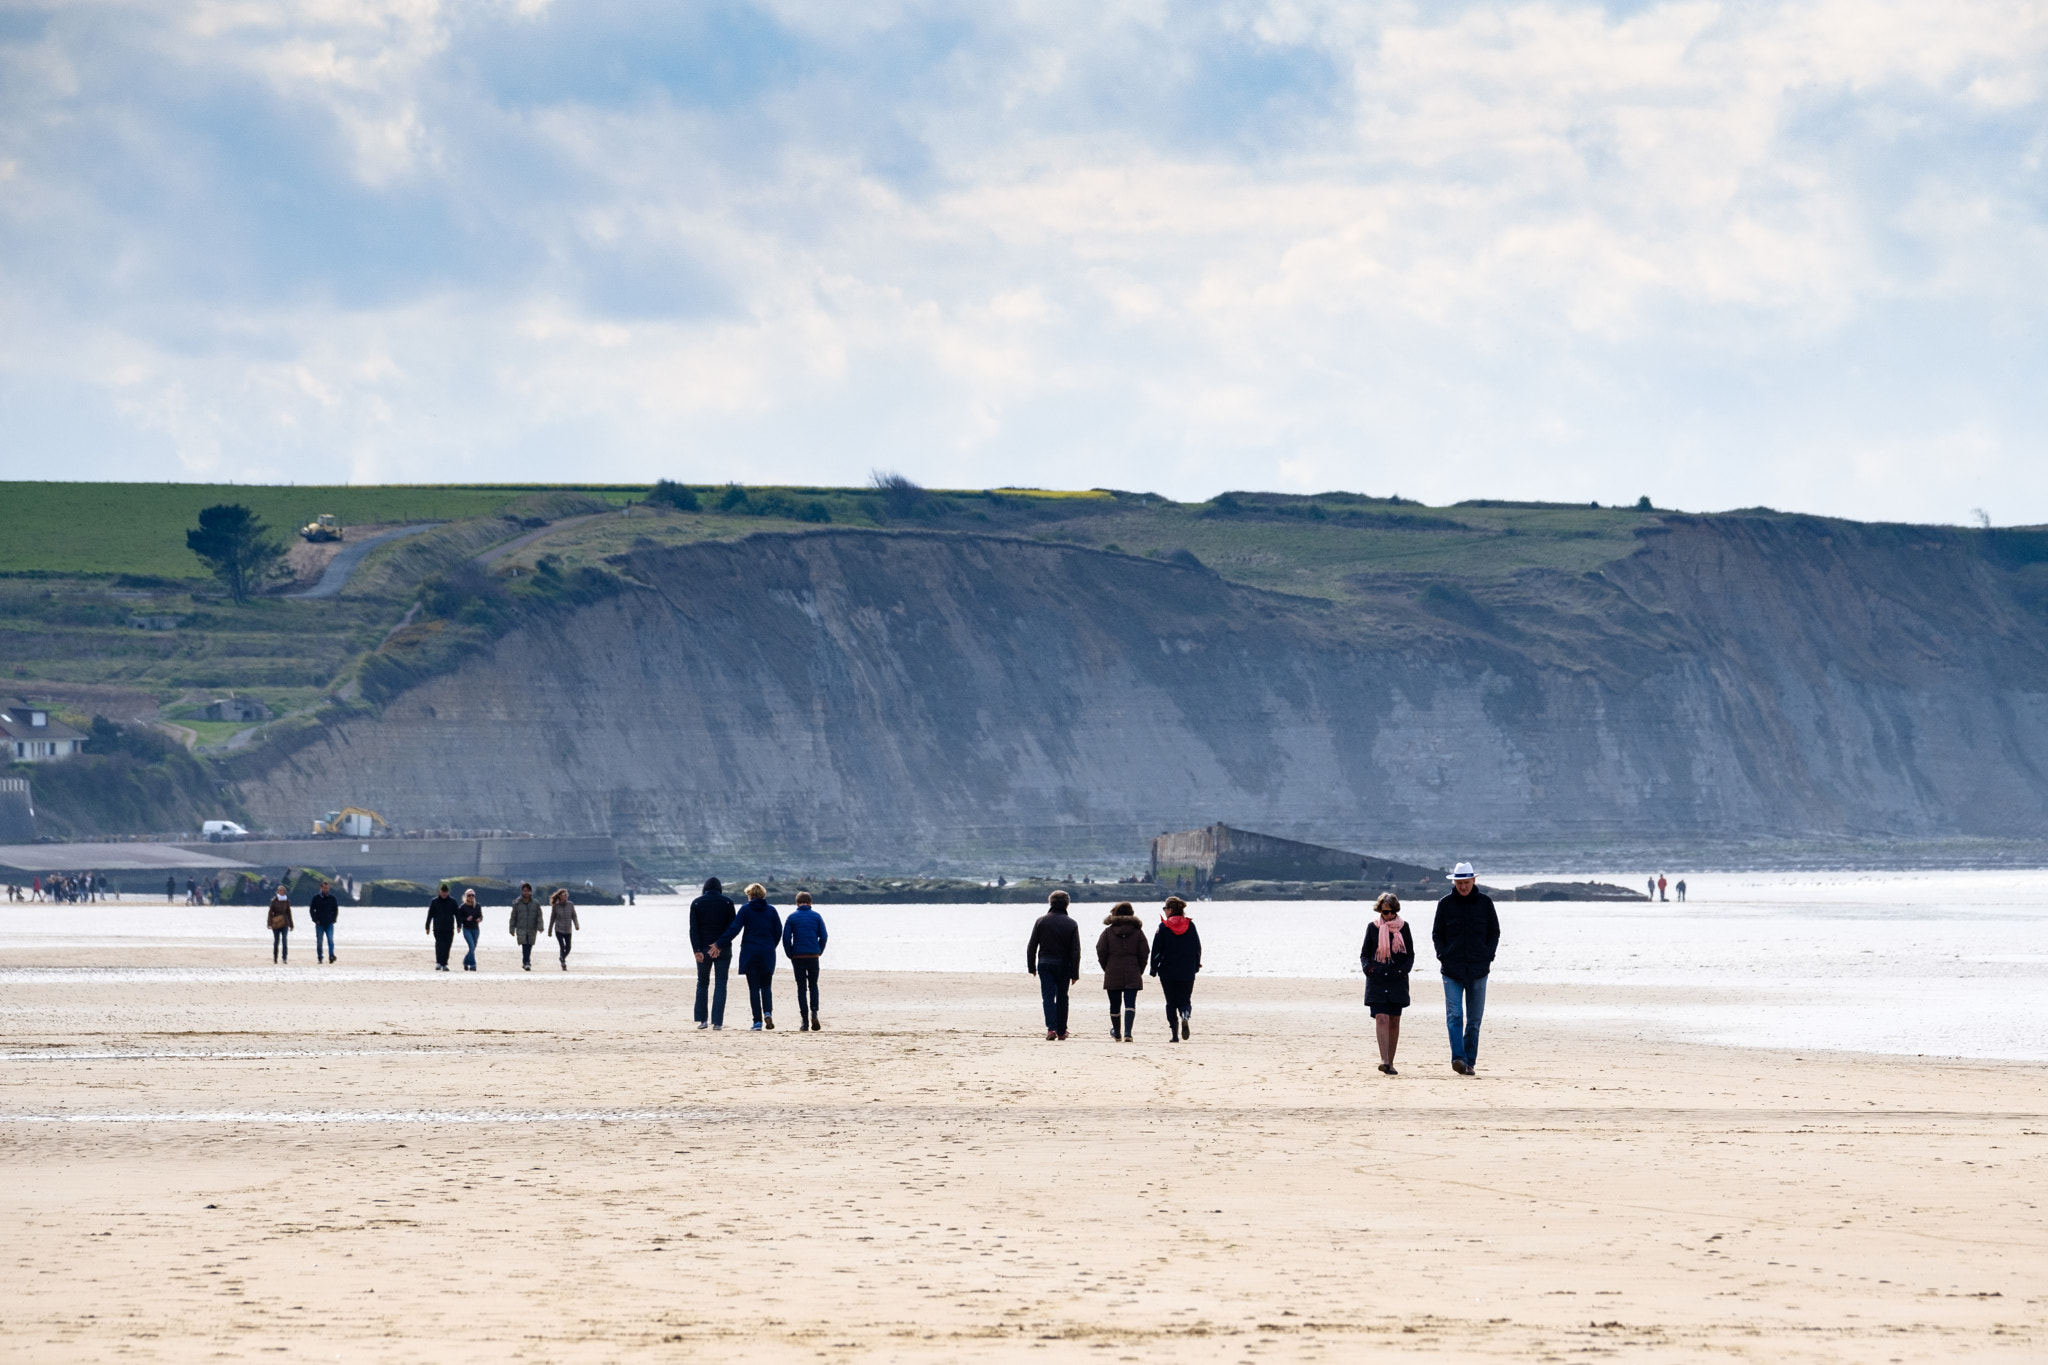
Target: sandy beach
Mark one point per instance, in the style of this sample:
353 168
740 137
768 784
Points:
205 1160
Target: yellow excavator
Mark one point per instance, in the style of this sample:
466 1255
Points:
322 527
353 821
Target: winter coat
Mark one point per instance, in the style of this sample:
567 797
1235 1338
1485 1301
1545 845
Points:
323 908
441 916
280 916
1386 983
469 916
758 927
1466 933
1176 957
711 914
1055 938
562 917
803 933
525 920
1122 952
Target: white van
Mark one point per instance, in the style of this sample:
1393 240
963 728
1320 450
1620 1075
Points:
217 830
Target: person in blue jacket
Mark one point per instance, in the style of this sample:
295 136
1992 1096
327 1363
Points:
803 938
758 928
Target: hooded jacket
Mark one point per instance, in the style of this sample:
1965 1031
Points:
711 914
803 933
1055 938
1467 934
525 919
758 928
1176 957
1122 952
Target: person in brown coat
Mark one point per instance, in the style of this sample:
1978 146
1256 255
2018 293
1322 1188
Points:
1123 951
280 921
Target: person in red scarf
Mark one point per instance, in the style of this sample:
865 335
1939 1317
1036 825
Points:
1176 957
1388 956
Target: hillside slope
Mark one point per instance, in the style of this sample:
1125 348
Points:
864 699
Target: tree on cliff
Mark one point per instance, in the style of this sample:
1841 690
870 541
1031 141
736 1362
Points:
237 546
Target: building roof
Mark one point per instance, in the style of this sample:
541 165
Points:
17 722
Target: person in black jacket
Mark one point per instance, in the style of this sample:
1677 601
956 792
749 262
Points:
323 910
1388 956
1176 957
441 916
469 917
1054 956
1466 934
711 914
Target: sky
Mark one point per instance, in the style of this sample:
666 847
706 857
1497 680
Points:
1717 254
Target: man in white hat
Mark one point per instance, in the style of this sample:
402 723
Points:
1466 934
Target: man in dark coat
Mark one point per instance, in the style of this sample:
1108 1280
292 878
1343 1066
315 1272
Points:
323 910
1054 956
441 915
711 914
1466 934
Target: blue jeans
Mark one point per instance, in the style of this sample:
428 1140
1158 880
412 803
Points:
280 945
323 933
1052 992
707 969
1464 1004
469 936
805 970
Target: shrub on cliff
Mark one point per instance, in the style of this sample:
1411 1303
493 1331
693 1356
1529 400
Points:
673 495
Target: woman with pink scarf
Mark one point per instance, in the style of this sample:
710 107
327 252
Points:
1388 955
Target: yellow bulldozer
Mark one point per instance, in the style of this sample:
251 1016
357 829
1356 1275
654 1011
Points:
321 528
353 821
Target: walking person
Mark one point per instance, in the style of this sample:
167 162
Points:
1122 952
803 938
758 927
711 914
524 924
469 918
562 920
1661 886
1388 956
1176 957
279 919
1680 889
1054 956
1466 933
323 910
441 916
170 890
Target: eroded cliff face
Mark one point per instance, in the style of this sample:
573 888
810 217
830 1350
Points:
863 700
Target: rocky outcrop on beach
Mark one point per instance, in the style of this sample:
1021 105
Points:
948 703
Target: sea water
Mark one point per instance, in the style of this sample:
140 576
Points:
1935 963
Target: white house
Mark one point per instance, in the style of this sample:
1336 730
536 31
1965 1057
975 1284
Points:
30 734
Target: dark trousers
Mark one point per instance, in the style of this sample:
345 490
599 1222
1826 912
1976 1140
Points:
761 991
442 943
1122 1000
805 969
526 952
1180 996
710 967
563 939
1053 982
280 945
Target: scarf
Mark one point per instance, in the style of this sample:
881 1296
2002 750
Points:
1390 938
1178 923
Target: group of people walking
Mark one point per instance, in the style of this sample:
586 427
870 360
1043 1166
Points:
1173 955
446 917
715 922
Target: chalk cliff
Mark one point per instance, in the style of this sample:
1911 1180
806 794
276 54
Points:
848 699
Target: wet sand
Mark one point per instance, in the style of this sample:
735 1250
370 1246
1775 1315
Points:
321 1164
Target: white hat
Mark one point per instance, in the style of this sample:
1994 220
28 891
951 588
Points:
1461 871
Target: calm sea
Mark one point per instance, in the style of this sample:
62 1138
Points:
1938 963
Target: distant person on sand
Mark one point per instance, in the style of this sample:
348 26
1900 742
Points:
803 938
1466 934
469 918
1652 884
711 914
1661 886
524 924
441 914
759 929
1176 957
279 919
1680 889
1388 956
170 890
1122 952
323 910
562 921
1054 956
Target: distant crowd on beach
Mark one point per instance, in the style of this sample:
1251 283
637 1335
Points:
1465 934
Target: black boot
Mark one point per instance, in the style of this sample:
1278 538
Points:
1115 1027
1130 1025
